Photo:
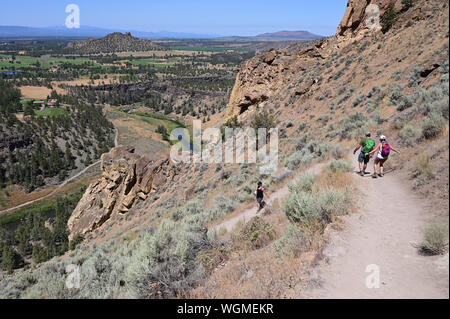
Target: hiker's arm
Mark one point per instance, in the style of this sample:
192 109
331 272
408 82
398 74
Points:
356 149
375 149
395 150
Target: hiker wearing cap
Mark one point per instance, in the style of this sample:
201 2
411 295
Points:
260 195
366 145
384 149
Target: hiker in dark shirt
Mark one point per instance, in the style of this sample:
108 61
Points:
260 196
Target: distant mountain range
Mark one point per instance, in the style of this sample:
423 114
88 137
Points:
290 35
94 32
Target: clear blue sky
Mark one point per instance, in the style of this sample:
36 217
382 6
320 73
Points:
227 17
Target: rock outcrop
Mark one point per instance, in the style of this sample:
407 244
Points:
361 16
114 42
126 179
263 76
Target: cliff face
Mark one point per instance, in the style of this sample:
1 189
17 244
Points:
126 179
263 76
358 13
266 75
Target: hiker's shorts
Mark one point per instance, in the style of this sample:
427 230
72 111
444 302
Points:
363 158
380 160
259 200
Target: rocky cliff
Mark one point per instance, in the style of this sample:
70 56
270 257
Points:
267 75
126 179
361 15
264 75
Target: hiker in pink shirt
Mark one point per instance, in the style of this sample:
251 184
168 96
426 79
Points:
383 149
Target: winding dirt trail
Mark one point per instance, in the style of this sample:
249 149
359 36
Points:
248 214
390 220
9 210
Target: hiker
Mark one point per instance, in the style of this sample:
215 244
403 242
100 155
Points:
260 196
366 147
384 149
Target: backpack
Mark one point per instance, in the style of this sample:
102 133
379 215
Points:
370 144
385 150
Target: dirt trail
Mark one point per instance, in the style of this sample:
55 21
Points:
248 214
391 218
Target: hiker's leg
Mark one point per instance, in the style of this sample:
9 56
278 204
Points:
361 162
381 167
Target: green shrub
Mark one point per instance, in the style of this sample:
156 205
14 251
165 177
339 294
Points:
409 134
406 4
414 76
308 210
306 153
290 243
77 239
337 151
304 183
433 125
399 99
263 120
389 18
340 166
301 126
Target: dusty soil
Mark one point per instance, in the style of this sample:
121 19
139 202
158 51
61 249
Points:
383 233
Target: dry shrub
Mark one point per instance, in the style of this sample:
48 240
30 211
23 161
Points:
423 167
256 234
435 239
257 275
212 258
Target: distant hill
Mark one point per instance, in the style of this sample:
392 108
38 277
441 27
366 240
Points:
290 35
114 42
93 32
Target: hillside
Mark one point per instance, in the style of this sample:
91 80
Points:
156 229
114 42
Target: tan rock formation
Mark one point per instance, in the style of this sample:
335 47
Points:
126 179
355 16
261 77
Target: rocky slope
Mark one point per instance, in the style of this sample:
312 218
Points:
114 42
325 95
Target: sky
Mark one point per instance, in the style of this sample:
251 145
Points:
230 17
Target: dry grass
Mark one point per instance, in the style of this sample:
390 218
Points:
256 275
423 166
35 92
